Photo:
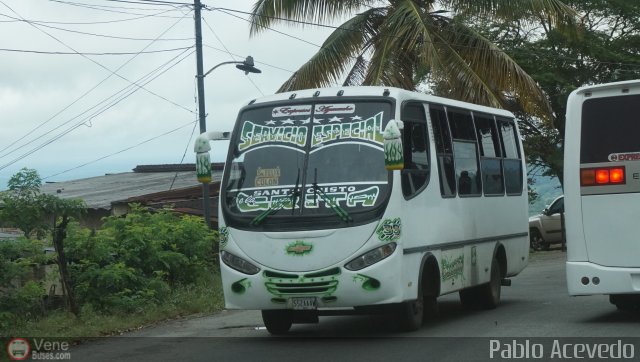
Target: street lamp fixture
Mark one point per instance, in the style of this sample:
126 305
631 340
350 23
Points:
246 66
202 147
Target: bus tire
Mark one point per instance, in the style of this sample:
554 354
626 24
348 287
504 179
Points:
430 307
625 302
277 321
489 294
411 314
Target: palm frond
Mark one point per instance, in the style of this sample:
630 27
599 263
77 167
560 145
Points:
357 73
479 72
336 54
267 12
558 13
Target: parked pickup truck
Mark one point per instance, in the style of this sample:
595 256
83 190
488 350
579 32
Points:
546 229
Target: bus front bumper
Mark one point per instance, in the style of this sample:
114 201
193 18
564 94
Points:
333 288
585 278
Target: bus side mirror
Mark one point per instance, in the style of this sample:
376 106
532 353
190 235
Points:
393 153
202 148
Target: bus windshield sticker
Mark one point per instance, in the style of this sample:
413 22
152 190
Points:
262 202
334 108
287 111
344 196
627 156
369 129
267 177
254 134
348 196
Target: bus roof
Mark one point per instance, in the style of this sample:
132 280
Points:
607 86
400 94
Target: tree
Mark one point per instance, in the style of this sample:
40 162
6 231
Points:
62 211
404 43
607 50
21 204
28 209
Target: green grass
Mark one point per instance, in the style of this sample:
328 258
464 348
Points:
204 298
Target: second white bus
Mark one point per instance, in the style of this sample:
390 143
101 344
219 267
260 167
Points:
312 223
602 192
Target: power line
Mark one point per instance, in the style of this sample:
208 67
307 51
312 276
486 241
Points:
98 54
228 52
109 8
111 73
152 2
84 23
94 34
195 123
266 27
121 151
257 62
30 132
84 120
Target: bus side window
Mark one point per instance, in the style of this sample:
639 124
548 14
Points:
490 155
465 152
511 163
444 151
415 175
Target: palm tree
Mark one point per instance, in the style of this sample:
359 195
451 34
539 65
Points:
398 42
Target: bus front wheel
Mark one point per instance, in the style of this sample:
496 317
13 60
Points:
411 314
277 321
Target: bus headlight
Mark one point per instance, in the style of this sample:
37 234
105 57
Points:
371 257
239 264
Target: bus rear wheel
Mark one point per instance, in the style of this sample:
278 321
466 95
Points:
485 296
489 294
625 302
277 321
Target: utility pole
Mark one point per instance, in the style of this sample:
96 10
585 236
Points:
206 198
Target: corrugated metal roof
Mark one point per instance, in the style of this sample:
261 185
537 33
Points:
99 192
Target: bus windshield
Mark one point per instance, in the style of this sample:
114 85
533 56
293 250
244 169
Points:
307 159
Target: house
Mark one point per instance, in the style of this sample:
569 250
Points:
154 186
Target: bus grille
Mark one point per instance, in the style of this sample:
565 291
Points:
320 283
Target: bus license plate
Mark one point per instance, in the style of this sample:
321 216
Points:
305 303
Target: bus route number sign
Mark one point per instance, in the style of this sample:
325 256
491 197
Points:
304 303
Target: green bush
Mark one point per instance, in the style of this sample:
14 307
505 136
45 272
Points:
138 259
21 291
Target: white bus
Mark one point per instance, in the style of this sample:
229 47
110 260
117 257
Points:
602 192
313 223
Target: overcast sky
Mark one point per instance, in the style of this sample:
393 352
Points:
61 111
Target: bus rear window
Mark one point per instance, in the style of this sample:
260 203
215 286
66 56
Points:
609 125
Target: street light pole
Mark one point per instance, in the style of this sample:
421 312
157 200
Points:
203 161
206 203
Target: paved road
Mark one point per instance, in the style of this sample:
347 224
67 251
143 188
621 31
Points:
536 305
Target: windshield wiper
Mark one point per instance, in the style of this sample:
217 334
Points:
333 205
274 209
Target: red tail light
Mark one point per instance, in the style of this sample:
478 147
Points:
602 176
